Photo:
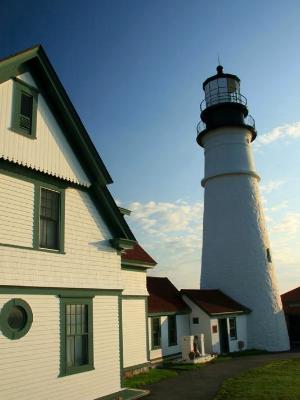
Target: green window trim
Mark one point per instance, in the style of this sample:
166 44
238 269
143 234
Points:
155 333
64 369
5 327
20 89
36 224
172 330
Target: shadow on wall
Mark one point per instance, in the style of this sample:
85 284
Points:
100 244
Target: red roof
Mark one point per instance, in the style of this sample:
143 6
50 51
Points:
291 296
291 301
164 297
213 301
138 254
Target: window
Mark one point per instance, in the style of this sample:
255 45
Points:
24 109
76 335
156 332
195 320
15 318
49 218
232 328
269 258
172 330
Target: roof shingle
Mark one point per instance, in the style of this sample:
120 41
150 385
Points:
164 297
138 254
291 301
213 301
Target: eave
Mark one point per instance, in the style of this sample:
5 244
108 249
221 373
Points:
36 61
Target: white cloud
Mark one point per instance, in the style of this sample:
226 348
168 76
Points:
172 233
288 131
167 218
288 225
271 186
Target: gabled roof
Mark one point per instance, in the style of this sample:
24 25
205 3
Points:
164 298
137 255
37 63
213 301
291 301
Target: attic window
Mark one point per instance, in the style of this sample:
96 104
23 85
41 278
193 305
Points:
269 258
24 109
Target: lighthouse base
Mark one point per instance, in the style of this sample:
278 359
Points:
236 257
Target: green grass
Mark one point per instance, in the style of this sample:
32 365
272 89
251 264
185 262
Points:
144 380
279 380
244 353
182 366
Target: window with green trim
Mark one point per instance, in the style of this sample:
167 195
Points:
49 217
24 109
76 335
172 330
156 332
15 318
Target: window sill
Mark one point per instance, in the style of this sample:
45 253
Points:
16 246
53 251
23 133
156 348
76 370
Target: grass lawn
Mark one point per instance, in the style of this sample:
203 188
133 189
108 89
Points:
169 369
244 353
182 366
144 380
279 380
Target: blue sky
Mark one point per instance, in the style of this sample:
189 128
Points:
134 71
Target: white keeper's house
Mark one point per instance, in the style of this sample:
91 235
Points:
72 310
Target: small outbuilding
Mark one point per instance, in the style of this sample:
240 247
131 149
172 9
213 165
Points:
222 320
291 306
173 314
168 319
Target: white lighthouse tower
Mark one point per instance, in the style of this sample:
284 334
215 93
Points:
236 255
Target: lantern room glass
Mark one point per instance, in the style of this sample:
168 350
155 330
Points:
222 90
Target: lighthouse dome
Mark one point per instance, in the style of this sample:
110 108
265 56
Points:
223 105
222 88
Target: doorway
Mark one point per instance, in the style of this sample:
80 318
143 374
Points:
294 328
223 335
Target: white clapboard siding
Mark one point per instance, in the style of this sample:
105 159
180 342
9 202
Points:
134 282
89 262
134 332
16 211
183 329
203 326
49 152
31 364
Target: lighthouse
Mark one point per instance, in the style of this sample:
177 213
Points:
236 253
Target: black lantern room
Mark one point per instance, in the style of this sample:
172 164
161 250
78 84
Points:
223 105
